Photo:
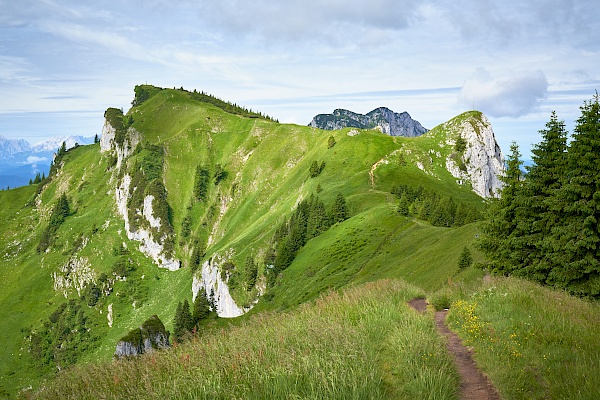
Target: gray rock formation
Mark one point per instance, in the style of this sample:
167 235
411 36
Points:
151 336
481 162
150 244
209 278
389 122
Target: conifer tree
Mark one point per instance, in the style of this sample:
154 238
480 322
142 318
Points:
576 236
251 269
537 216
498 230
465 259
183 322
201 307
403 205
339 211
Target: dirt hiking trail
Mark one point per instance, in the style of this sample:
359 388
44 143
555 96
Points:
473 384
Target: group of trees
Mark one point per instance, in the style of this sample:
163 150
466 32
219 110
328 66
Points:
60 211
186 320
546 225
430 206
309 220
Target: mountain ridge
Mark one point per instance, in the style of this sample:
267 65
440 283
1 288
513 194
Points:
258 174
382 118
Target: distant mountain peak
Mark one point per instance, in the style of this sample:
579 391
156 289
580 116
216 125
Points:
388 121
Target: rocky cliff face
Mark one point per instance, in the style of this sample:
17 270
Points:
481 161
209 278
389 122
150 244
151 336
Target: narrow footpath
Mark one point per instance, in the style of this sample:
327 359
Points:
473 384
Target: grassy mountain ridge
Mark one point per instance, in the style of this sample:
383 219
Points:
266 167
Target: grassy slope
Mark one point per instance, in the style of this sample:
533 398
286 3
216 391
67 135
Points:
365 343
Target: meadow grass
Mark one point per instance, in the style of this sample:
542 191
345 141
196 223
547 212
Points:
362 343
532 341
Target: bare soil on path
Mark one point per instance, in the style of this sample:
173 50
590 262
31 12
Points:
474 385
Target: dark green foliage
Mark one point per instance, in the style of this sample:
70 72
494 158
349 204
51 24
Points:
309 220
318 221
197 254
437 209
66 335
117 120
201 307
499 235
37 179
403 205
251 271
226 106
60 211
546 227
330 142
575 256
201 182
219 174
339 210
465 259
183 322
96 139
143 93
461 145
316 169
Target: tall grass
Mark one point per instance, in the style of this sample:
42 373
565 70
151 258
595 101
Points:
533 342
362 344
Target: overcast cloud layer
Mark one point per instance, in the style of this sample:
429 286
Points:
62 63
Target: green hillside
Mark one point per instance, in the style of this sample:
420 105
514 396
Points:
232 181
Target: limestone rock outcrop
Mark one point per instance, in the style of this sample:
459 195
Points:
149 337
481 161
209 278
382 118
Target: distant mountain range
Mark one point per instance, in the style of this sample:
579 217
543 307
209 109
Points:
388 121
21 161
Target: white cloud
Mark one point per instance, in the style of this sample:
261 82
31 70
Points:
34 160
510 96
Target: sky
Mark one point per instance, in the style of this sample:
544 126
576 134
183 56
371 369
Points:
62 63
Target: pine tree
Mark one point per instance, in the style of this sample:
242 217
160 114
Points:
339 210
576 237
251 269
330 142
183 323
201 183
96 139
201 307
403 205
537 217
498 230
465 259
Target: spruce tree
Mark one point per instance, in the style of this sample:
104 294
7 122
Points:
183 322
465 259
537 216
499 229
576 238
201 307
251 269
339 210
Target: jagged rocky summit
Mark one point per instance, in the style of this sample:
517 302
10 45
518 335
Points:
481 161
151 336
389 122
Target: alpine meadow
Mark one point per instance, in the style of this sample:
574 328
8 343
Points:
200 249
